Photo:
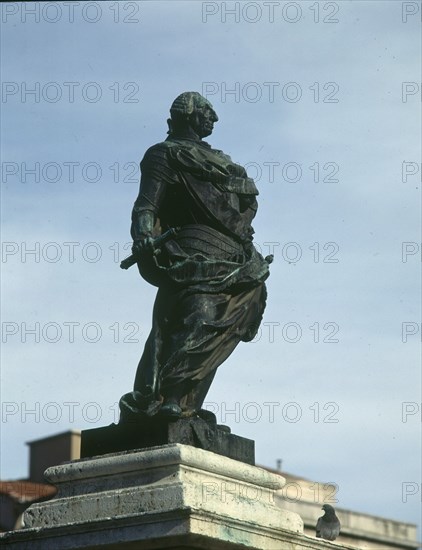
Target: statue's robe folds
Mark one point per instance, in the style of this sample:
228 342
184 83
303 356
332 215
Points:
210 276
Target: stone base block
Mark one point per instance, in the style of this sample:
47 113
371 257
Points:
195 431
171 497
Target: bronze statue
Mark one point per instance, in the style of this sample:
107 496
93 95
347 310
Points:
192 233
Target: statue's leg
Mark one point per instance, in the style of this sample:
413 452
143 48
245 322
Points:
146 379
205 330
145 397
193 400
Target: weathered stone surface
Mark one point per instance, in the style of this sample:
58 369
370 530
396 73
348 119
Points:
158 431
159 480
174 497
187 531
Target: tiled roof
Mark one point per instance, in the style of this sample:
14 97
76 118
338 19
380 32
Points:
26 491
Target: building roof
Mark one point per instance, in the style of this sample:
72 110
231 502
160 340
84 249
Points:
23 491
67 433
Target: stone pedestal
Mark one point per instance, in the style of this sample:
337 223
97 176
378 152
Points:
174 496
203 433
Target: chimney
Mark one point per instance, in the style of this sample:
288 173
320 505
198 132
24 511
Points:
52 450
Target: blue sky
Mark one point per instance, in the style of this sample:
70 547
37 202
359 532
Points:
324 111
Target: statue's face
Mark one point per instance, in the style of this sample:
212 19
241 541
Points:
202 121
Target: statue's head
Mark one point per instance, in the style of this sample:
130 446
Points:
192 110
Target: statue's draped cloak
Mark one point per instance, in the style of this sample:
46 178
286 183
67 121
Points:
210 276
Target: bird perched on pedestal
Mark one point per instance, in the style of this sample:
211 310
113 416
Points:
328 525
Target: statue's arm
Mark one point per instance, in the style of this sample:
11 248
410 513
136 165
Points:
143 221
156 176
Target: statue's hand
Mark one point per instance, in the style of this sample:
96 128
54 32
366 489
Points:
143 246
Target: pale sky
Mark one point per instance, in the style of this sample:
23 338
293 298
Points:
321 101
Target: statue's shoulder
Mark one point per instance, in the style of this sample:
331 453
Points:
179 154
162 149
158 148
157 153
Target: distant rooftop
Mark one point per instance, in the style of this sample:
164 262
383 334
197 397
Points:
23 491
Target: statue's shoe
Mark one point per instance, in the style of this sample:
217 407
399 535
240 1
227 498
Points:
171 410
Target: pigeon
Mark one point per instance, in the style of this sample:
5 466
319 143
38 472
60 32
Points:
328 525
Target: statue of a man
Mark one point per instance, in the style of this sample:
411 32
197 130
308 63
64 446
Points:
210 278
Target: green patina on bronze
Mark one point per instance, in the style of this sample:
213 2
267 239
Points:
193 239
